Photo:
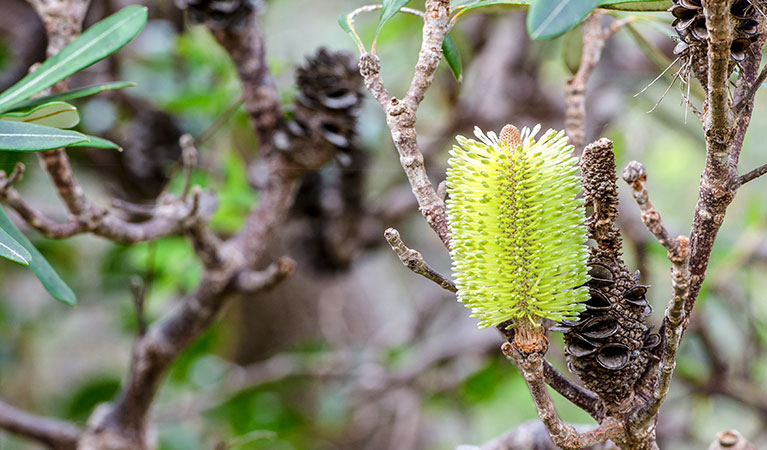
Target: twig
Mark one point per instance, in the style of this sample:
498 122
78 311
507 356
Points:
413 260
748 74
749 96
259 280
752 175
54 433
10 180
673 329
678 252
218 123
636 176
401 115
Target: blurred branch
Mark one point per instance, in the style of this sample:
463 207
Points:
594 38
53 433
259 280
401 115
532 435
413 260
730 440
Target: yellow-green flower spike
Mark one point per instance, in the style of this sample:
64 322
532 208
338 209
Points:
517 226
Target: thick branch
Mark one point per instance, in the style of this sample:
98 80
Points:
716 186
53 433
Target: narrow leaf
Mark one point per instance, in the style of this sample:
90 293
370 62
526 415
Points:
97 142
28 137
10 249
54 114
73 94
636 5
390 8
460 7
452 56
548 19
95 44
572 49
347 24
40 267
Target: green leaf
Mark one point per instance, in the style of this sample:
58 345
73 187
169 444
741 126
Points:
10 249
28 137
461 6
73 94
452 56
97 142
548 19
40 267
390 8
572 49
95 44
636 5
54 114
347 24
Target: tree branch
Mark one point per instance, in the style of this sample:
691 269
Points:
413 260
260 280
54 433
752 175
716 189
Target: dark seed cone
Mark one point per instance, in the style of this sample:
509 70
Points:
607 347
325 111
329 97
219 14
690 25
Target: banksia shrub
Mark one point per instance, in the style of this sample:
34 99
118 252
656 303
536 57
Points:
517 227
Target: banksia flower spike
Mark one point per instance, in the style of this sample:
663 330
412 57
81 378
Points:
517 227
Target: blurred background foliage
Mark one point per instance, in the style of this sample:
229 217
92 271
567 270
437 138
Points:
336 357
